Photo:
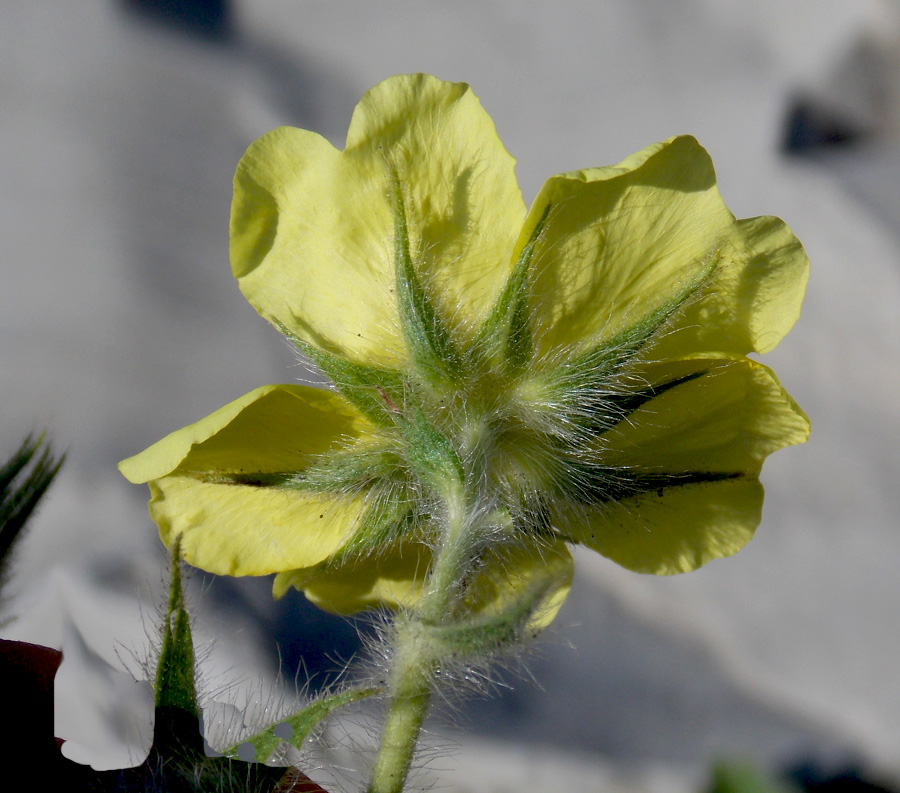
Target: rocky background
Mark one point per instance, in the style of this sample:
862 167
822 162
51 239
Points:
120 127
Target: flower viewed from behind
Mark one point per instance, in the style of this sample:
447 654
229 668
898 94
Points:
522 379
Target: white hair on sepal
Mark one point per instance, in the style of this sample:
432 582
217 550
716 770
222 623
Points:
562 397
543 258
458 676
707 287
309 373
711 262
389 324
477 271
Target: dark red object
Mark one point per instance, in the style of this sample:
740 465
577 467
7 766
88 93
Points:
295 781
26 680
27 672
26 733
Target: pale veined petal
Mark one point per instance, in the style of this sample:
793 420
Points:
682 469
751 300
312 228
622 242
541 576
463 202
726 420
674 530
393 578
311 245
208 484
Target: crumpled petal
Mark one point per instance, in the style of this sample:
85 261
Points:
542 571
729 419
244 529
312 228
393 578
752 298
396 577
718 427
620 241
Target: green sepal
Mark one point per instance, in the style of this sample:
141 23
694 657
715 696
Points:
389 518
623 405
507 332
430 342
375 391
602 362
605 412
586 391
338 473
430 453
301 723
175 731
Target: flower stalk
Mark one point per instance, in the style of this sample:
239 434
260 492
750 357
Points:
416 655
507 381
412 675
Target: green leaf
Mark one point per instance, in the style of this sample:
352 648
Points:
21 490
301 723
732 777
176 733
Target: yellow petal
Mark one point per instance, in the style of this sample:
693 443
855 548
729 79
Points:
242 529
543 572
751 300
396 577
312 228
723 423
727 420
238 530
675 530
619 242
268 429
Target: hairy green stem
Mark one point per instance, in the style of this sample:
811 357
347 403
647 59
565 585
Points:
411 677
415 658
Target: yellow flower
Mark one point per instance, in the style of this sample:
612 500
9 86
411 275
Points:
577 371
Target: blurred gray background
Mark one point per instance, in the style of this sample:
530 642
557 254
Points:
120 127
